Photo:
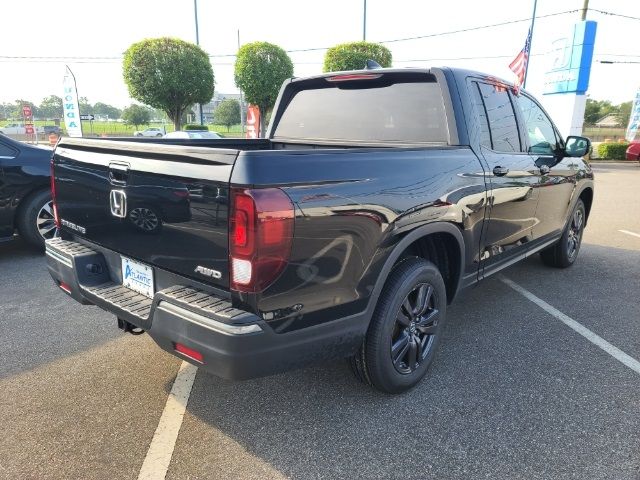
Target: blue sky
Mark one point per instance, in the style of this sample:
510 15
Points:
87 28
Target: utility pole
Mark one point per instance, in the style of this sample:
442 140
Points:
195 12
364 22
241 100
585 7
533 22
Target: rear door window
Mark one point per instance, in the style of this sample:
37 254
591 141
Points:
502 118
406 112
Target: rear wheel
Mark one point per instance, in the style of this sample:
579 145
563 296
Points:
405 328
564 253
35 219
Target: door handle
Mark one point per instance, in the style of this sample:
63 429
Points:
544 169
500 171
118 173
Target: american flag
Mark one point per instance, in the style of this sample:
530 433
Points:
520 63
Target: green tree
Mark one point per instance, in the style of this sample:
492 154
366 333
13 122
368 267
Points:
136 115
6 109
51 107
259 71
624 111
85 107
596 109
227 113
353 56
168 74
107 110
17 108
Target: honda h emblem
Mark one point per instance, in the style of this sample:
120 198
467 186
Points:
118 203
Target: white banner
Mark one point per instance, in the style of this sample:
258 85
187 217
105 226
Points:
70 105
634 118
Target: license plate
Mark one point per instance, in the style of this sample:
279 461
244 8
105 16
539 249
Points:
137 276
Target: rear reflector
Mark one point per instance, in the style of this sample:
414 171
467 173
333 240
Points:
65 287
188 352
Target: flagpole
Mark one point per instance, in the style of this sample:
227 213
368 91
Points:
533 21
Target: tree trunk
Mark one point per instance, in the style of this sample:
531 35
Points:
263 109
176 117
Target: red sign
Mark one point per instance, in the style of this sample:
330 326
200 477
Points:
26 110
28 129
253 122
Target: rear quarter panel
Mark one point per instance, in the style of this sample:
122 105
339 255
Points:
352 208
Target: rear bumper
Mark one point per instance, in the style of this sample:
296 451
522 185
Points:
234 344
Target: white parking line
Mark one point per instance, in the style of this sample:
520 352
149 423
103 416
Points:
615 352
630 233
156 463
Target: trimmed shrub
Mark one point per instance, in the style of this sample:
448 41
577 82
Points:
193 126
612 151
354 56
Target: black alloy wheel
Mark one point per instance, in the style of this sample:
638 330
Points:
405 328
413 333
574 237
565 251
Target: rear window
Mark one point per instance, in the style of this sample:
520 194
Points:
400 112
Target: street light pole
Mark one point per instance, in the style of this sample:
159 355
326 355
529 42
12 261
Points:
364 22
195 13
241 99
585 7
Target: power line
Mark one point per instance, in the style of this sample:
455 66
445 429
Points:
613 14
81 59
471 29
613 61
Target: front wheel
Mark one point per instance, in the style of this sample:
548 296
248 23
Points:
405 329
565 251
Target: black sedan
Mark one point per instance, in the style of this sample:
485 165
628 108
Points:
25 196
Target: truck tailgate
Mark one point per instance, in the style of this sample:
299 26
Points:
162 205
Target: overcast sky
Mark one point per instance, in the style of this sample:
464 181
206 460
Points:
86 28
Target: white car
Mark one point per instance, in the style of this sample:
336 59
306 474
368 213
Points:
150 132
13 129
193 134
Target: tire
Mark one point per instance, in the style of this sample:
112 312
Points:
159 135
565 251
35 219
414 285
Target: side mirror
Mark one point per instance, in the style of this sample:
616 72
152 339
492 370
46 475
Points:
577 146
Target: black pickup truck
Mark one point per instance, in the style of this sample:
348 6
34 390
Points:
376 196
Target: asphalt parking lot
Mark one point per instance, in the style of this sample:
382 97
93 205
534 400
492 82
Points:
514 392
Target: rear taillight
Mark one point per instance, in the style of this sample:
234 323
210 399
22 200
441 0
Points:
261 231
56 219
